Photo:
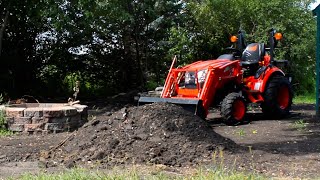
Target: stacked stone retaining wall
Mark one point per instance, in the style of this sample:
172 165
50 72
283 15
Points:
45 118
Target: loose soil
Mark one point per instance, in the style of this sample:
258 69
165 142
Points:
158 133
166 134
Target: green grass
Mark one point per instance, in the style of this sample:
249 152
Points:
300 125
241 133
5 132
307 98
134 174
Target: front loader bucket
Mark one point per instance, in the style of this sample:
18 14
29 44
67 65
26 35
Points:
192 105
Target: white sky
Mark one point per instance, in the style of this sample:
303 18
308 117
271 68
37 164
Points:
314 5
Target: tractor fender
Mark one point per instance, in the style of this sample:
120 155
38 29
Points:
270 72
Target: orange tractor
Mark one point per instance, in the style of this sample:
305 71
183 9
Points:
248 74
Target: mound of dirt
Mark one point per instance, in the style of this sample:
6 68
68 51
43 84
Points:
158 133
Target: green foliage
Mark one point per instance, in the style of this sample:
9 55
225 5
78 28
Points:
309 98
5 132
151 85
3 121
89 86
70 81
112 45
3 129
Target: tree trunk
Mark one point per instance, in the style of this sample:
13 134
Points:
2 29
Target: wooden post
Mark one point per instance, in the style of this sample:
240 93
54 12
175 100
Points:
316 12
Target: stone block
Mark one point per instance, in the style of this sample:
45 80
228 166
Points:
52 112
36 120
31 132
22 120
80 108
57 119
32 105
50 105
16 127
75 119
69 111
34 127
51 118
54 126
15 112
10 120
33 112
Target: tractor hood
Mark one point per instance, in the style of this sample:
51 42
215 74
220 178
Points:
201 65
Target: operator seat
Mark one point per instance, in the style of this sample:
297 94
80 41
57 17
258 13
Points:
251 57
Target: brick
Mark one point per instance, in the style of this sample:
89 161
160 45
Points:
22 120
58 119
69 111
36 120
52 112
16 127
33 112
10 120
35 132
80 108
32 105
34 127
54 126
75 119
50 105
15 112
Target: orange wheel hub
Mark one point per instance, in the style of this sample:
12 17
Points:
283 97
239 110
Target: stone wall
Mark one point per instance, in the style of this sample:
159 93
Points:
45 118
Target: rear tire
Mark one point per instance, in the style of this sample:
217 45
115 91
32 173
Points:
277 98
233 109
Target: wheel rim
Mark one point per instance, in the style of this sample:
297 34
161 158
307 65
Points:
239 110
283 97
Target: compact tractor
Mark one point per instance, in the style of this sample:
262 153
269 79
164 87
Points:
248 74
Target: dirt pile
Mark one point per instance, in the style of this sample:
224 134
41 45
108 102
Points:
158 133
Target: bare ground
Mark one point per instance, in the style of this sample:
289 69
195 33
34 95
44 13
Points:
280 148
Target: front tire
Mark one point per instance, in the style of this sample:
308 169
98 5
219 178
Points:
277 98
233 109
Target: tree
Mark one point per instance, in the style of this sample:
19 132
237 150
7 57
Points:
4 22
112 46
